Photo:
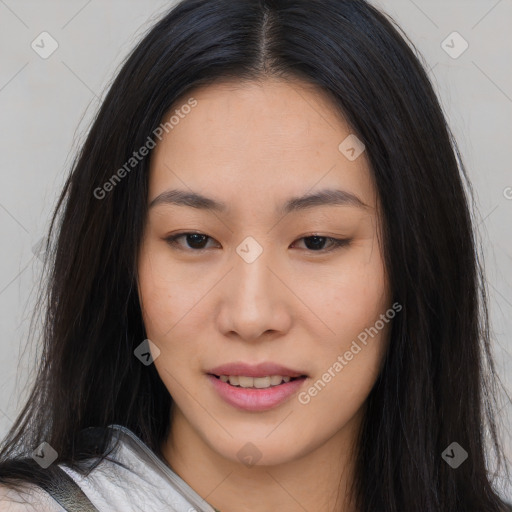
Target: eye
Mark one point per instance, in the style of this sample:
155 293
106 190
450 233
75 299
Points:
314 243
196 241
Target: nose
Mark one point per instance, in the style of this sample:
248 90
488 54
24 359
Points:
254 300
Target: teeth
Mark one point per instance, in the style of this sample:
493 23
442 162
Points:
244 382
254 382
275 380
262 382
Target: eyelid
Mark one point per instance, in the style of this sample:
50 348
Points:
335 243
171 240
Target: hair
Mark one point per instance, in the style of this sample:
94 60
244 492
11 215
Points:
437 384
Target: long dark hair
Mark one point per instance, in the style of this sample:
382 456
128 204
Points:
437 384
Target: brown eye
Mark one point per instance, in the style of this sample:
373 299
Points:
195 241
316 243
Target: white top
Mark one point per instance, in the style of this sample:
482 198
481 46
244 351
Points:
149 485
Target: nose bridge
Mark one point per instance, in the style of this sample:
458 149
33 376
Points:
251 278
251 301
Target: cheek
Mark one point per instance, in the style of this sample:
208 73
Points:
167 294
350 302
361 297
169 301
350 359
351 296
155 296
163 305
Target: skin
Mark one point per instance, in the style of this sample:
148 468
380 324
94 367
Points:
253 145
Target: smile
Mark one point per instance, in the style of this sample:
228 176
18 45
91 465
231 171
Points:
255 394
255 382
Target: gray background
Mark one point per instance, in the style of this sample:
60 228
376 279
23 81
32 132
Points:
46 106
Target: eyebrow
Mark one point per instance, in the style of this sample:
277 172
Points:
326 197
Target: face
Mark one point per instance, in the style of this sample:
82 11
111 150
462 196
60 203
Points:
267 289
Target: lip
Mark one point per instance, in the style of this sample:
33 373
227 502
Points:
259 370
253 399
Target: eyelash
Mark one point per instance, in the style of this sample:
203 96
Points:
336 243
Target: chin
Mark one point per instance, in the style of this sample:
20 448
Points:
259 449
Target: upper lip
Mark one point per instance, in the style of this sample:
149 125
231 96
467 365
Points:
259 370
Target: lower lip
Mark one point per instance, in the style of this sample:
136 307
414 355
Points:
253 399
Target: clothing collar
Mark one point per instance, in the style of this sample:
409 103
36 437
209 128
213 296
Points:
132 442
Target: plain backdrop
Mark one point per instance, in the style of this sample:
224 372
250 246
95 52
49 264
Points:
46 106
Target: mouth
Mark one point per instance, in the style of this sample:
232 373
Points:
255 388
245 381
256 394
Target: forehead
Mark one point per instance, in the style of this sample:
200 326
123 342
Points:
257 139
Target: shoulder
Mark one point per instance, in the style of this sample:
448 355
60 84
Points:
27 498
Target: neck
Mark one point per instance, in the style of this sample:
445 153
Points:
317 481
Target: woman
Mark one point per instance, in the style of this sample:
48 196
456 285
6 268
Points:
264 293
